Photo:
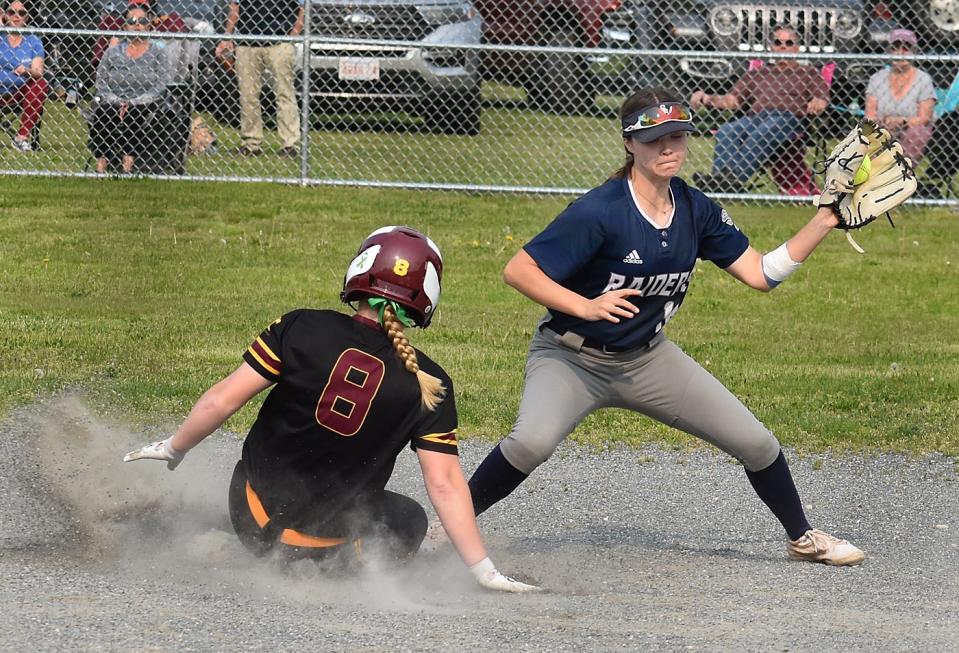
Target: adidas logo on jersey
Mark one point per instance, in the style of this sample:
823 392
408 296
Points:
633 257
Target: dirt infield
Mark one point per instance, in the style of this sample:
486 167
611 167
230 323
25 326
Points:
638 550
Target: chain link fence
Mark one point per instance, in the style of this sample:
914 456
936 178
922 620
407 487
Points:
488 95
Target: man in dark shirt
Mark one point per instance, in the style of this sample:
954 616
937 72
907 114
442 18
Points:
779 96
253 58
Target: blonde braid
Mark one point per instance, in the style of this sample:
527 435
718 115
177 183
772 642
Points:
431 388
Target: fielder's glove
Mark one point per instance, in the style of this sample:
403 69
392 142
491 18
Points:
161 450
867 176
847 157
487 576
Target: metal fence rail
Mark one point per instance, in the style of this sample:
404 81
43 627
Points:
504 96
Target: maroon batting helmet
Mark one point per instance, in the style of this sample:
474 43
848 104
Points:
399 264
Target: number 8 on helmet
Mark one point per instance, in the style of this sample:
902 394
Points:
398 264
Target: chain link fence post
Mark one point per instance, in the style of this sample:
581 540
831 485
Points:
305 85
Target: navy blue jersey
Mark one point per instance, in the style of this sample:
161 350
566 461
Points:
602 242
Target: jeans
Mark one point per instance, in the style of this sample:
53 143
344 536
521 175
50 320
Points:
742 146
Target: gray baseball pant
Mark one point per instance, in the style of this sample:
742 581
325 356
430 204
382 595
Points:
565 382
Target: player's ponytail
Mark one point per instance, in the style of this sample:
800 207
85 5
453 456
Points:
432 390
625 169
644 97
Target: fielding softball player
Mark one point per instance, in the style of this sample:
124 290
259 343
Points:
612 270
349 395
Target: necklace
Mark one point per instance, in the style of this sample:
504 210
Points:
656 208
661 218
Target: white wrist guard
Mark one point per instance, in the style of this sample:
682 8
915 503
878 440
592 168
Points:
167 448
777 266
482 568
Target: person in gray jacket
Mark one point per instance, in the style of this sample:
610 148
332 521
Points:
131 79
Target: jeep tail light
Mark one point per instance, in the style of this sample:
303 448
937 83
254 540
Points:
882 11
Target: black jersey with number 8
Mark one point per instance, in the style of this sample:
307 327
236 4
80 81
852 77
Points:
343 408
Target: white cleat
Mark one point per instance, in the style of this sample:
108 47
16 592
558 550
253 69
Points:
818 546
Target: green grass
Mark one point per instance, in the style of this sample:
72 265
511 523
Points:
142 294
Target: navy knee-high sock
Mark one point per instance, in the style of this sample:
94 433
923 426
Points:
493 480
775 487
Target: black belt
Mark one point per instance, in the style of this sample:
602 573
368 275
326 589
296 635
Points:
591 343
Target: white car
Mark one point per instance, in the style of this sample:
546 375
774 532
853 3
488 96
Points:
351 69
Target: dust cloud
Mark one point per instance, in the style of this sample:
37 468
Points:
143 520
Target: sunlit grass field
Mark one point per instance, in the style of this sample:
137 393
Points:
140 294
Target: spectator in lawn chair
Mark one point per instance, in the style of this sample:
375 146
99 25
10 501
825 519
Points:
902 97
21 73
253 58
779 97
114 22
131 79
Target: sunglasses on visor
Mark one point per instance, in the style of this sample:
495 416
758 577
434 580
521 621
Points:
656 115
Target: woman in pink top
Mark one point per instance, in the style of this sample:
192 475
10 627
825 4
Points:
901 97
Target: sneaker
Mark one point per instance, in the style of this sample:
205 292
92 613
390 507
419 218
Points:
288 152
22 145
818 546
248 151
435 537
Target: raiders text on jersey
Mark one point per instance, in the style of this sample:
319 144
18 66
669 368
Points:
662 285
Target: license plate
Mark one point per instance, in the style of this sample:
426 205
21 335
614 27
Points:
359 68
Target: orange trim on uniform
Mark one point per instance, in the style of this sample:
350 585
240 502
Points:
288 535
256 508
296 538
